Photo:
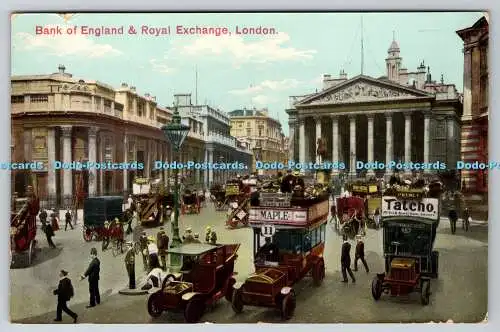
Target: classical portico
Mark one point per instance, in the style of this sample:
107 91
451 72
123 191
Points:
375 120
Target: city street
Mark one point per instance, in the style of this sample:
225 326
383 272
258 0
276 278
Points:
460 293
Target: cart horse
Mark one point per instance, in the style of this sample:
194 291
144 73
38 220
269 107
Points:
23 226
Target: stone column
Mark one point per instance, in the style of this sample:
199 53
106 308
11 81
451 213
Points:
335 142
427 139
51 157
371 118
318 136
388 143
205 173
407 139
125 160
302 140
102 145
352 145
93 158
211 161
28 139
67 173
291 140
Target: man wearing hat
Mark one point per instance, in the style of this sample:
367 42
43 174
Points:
287 182
360 254
130 265
162 241
64 293
54 220
208 232
143 241
213 237
197 238
153 253
188 236
93 274
345 261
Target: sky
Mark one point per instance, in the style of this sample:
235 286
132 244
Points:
236 71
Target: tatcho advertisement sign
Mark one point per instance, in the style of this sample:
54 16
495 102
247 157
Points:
396 207
278 216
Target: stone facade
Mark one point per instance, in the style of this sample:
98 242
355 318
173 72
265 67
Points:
218 145
262 132
401 117
57 117
475 115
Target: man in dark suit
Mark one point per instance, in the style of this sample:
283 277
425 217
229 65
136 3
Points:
68 220
64 293
360 254
345 260
453 216
93 274
162 242
287 182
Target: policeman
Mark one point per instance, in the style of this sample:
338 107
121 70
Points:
208 232
143 240
213 237
130 265
188 235
162 240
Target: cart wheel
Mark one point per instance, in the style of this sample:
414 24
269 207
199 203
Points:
425 292
288 304
87 234
318 272
105 242
376 288
194 310
229 289
154 308
237 300
31 251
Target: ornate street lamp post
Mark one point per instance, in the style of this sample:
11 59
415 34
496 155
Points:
176 132
257 150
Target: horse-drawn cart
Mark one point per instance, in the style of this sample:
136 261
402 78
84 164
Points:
99 223
23 226
190 203
410 225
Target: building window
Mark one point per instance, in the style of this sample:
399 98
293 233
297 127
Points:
39 98
249 132
248 124
17 99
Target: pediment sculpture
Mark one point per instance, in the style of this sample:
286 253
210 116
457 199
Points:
359 92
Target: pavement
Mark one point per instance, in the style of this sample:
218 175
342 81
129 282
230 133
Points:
460 293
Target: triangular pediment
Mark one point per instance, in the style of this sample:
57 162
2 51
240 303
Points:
362 89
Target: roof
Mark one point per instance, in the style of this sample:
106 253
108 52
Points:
193 249
394 46
105 198
409 220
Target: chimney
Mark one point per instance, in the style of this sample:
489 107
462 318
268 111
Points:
124 85
146 95
132 88
61 69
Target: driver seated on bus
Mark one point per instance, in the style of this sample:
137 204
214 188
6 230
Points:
287 182
268 252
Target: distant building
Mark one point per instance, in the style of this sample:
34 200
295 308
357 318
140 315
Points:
402 117
475 99
264 134
217 143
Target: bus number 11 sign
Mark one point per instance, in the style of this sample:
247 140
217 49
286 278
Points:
267 230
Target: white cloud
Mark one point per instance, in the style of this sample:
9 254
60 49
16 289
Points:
263 100
63 45
161 66
268 49
267 86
